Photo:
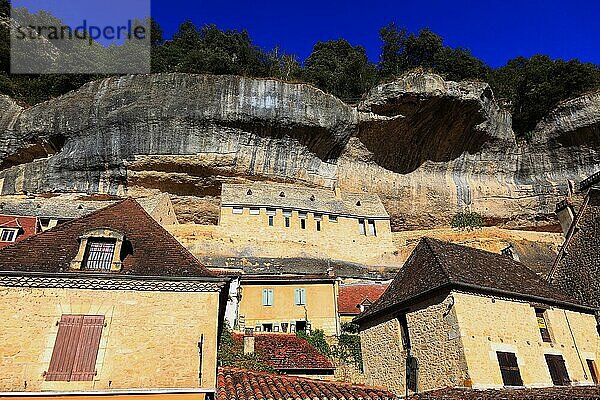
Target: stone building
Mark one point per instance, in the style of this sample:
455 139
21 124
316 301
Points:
15 228
576 269
109 301
355 298
288 303
462 317
327 218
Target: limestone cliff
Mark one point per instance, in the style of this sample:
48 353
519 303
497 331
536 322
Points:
428 147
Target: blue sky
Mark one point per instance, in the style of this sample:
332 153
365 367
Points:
495 31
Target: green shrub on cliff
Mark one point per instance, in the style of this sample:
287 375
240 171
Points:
467 220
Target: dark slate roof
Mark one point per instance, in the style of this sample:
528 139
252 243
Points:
295 265
435 265
550 393
240 384
576 269
260 194
154 251
284 351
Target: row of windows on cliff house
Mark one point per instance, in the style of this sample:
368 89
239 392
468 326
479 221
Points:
364 225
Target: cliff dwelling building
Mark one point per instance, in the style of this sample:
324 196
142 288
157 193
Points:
330 219
456 316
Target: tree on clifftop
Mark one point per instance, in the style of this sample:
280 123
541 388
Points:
339 68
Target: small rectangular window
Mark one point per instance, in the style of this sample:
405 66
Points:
287 222
238 210
99 254
558 370
318 226
271 221
303 223
267 297
8 235
302 214
287 213
509 368
300 296
372 230
254 211
542 325
318 217
593 371
271 211
267 327
361 226
333 218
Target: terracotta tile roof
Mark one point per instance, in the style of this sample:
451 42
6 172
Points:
436 265
28 226
238 384
550 393
576 269
350 296
288 352
303 199
287 278
154 252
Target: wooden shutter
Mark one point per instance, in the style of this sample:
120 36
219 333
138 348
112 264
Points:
65 347
265 297
297 296
303 296
509 368
558 370
270 296
84 367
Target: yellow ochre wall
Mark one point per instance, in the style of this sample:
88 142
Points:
488 325
150 339
321 304
345 232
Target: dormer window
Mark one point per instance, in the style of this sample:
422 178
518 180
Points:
99 250
99 254
8 234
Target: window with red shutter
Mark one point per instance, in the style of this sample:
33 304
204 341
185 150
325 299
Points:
76 348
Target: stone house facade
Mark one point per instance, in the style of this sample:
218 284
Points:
288 303
455 316
108 302
329 219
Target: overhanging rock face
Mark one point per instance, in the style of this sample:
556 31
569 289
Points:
428 147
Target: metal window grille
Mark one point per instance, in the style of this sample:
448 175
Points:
99 255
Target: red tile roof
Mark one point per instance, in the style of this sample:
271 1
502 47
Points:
151 250
28 226
287 278
351 296
550 393
285 351
239 384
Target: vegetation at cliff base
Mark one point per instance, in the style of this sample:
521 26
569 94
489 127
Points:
528 87
467 220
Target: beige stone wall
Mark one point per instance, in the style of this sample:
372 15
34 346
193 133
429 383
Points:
435 342
343 234
488 325
149 341
321 305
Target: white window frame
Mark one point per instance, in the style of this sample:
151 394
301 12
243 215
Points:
361 227
372 227
8 231
267 297
237 210
271 211
254 211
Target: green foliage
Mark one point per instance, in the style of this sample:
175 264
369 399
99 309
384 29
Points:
350 327
339 68
316 339
348 350
532 87
231 354
467 220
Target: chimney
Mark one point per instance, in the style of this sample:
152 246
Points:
249 341
566 215
338 192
